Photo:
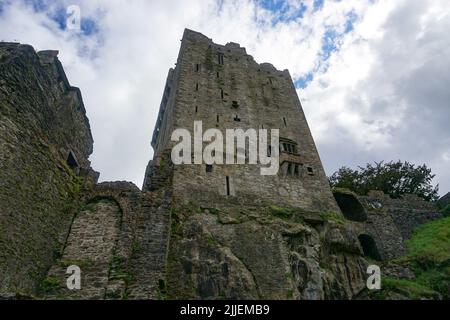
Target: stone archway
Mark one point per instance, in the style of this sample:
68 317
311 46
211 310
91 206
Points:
369 247
90 246
351 207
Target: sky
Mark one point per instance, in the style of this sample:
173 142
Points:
373 75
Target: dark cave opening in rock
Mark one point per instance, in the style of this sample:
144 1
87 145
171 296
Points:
369 247
350 206
72 161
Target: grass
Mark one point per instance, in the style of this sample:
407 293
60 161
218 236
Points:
429 258
411 289
430 243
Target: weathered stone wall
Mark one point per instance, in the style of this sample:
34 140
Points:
101 241
444 201
42 121
389 222
259 96
407 213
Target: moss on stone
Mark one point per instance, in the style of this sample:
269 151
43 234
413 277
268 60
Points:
333 216
48 285
281 212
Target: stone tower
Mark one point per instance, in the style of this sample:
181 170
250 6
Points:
235 233
224 87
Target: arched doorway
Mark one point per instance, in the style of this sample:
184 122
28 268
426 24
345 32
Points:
350 206
369 247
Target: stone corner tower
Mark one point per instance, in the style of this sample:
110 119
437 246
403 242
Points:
223 86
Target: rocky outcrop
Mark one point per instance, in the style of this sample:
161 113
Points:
254 254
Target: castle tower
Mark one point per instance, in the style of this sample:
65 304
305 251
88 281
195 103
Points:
224 87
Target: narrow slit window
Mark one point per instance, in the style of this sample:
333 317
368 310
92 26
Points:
220 58
228 186
218 119
218 75
284 120
221 93
197 67
196 87
196 109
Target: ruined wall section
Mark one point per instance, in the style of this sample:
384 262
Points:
386 221
101 242
42 120
407 213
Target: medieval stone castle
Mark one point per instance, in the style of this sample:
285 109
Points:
193 231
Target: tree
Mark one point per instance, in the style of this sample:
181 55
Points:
393 178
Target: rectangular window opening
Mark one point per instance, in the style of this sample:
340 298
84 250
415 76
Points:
285 123
209 168
228 186
220 58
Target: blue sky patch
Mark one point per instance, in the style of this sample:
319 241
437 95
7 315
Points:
59 15
318 4
302 82
284 11
351 19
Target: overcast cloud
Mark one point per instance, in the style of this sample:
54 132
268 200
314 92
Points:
373 76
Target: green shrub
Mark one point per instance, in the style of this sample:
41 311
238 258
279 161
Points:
48 285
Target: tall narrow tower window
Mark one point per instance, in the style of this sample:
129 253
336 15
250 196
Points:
221 93
196 109
217 118
228 185
220 58
218 75
197 67
284 120
196 87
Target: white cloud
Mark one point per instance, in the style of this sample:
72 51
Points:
381 95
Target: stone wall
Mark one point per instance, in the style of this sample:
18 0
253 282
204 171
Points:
388 222
42 122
